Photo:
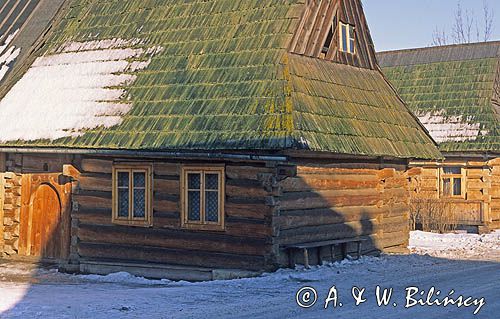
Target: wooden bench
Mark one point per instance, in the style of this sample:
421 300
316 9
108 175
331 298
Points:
332 243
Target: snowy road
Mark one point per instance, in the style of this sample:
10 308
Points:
467 264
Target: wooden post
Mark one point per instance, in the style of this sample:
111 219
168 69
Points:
306 258
343 246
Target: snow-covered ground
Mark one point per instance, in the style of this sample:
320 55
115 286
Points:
457 246
455 264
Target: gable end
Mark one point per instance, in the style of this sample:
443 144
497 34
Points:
318 33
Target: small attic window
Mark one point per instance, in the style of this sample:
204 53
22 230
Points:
347 38
329 39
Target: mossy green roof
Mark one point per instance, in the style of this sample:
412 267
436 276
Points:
223 79
450 89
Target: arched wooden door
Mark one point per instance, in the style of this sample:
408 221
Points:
45 221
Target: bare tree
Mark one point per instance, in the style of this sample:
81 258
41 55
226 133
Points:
439 37
488 21
466 27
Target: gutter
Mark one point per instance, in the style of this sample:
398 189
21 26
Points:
182 155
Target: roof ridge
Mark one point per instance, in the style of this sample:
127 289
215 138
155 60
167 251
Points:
450 46
440 54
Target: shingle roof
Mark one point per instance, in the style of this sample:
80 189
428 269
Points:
203 75
450 89
22 22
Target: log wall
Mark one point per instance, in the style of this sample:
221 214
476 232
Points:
14 166
325 202
11 212
266 205
245 243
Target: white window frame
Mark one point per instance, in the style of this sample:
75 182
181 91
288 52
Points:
350 36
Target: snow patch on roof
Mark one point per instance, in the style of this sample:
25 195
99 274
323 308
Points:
79 86
451 128
8 54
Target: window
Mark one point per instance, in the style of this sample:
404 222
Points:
329 38
347 38
203 198
132 195
452 184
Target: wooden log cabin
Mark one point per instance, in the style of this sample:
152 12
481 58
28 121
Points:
191 139
455 92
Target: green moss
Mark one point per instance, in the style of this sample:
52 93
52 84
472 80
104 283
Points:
456 88
224 80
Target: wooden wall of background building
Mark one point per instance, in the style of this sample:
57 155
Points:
481 184
495 193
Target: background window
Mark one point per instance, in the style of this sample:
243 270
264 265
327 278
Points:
347 38
452 182
132 195
203 203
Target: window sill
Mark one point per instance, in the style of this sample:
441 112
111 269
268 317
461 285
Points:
134 223
453 198
203 227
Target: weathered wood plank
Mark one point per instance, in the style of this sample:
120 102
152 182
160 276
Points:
328 232
96 182
96 200
316 217
246 172
327 199
200 258
336 169
174 239
93 165
329 182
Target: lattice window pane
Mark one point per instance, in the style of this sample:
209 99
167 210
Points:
194 206
446 187
139 203
139 179
123 179
351 39
212 181
212 206
123 202
344 37
457 187
194 181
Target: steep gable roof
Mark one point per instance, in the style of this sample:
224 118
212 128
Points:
201 75
452 90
